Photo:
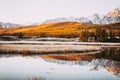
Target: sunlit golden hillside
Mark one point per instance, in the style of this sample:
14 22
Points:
60 29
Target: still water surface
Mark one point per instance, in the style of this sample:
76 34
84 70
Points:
36 67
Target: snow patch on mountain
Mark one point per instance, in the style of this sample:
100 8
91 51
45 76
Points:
111 17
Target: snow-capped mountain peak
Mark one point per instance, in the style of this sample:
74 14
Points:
111 17
115 12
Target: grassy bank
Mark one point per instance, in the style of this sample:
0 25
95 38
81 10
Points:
46 49
60 43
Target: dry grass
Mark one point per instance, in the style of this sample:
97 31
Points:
60 43
60 29
47 48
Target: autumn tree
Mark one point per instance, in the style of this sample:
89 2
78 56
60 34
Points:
84 36
18 34
42 34
98 34
103 35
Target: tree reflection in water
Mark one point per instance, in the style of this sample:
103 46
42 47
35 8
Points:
109 59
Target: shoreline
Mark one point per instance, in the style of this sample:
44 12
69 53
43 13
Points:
46 49
59 43
52 47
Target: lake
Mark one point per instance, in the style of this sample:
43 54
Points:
104 65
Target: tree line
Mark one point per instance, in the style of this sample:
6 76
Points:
99 35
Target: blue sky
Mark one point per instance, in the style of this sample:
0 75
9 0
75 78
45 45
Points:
23 11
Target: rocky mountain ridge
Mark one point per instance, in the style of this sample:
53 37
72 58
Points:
111 17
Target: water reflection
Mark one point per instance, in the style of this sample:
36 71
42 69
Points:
111 66
36 68
111 53
99 66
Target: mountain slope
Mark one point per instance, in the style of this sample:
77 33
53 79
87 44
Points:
60 29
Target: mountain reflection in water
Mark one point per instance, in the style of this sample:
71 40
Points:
37 68
111 66
103 65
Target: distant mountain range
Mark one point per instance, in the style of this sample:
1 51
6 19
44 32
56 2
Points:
7 25
111 17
